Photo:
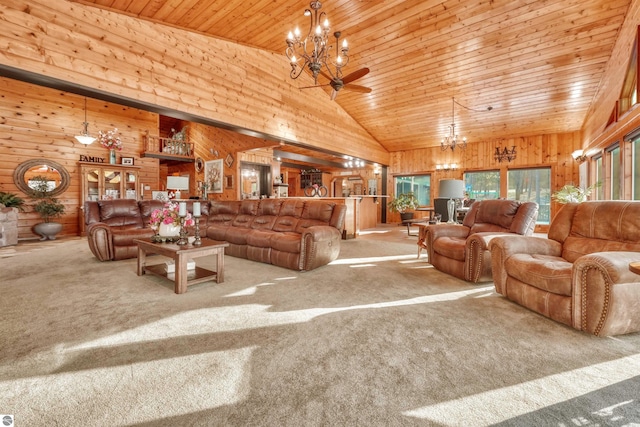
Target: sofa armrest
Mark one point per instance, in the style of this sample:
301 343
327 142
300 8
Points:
502 247
435 231
478 259
606 294
320 245
100 239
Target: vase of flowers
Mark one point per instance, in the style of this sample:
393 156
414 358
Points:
166 221
112 142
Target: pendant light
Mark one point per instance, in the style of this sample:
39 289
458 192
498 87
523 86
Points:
85 138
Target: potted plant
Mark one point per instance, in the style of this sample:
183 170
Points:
402 203
573 194
47 206
10 200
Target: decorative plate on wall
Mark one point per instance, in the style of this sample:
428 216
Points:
199 164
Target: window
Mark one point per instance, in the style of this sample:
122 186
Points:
616 172
635 154
599 175
532 185
482 185
420 185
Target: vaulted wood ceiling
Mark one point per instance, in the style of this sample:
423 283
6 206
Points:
537 63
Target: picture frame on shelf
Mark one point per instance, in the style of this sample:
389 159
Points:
213 175
128 161
228 160
160 195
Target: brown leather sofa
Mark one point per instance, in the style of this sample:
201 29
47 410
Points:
297 234
462 251
112 225
580 274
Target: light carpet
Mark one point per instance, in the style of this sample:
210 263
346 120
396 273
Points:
377 338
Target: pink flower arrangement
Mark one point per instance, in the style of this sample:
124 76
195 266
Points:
110 140
168 215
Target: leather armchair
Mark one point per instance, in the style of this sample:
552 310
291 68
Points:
462 250
579 275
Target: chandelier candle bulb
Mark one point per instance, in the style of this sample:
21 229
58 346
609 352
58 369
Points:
196 209
182 209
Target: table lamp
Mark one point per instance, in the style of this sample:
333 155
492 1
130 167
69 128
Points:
177 183
451 189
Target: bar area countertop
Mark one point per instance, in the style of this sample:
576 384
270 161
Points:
362 212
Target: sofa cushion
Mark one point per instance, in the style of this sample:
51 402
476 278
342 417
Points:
237 235
285 223
546 272
260 238
286 242
450 247
120 213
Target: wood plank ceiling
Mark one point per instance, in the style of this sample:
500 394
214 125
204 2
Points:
537 63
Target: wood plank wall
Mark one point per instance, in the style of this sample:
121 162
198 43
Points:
180 70
37 122
594 132
532 151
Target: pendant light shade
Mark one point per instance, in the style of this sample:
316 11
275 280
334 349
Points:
84 137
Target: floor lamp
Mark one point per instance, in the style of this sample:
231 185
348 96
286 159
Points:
451 189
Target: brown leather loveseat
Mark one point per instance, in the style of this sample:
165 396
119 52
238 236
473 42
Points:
113 225
462 251
580 274
298 234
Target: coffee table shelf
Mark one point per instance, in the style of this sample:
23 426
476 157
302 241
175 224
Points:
181 255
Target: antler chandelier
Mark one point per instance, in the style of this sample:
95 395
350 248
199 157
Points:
314 47
452 140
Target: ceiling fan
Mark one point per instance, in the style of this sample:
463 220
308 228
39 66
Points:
344 83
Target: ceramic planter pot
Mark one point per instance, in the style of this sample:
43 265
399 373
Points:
47 230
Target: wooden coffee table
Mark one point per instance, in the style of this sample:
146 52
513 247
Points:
181 255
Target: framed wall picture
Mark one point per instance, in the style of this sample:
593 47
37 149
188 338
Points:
213 175
228 160
228 182
127 161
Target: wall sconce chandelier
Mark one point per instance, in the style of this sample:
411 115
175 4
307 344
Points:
580 156
351 163
84 137
314 47
446 167
504 154
452 140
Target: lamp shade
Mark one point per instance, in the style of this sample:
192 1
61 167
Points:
178 182
451 189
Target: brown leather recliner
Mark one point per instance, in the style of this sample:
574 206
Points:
113 225
580 274
462 251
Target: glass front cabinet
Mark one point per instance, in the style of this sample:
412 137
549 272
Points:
107 182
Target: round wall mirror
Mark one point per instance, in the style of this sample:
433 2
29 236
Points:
56 175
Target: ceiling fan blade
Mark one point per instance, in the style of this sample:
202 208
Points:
355 75
325 75
357 88
311 87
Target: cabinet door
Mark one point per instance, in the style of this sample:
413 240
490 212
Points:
112 184
92 181
130 187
